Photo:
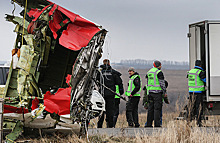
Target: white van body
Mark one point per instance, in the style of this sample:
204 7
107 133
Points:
204 45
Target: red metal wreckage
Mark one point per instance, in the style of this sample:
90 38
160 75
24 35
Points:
54 64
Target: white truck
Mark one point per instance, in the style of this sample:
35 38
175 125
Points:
204 45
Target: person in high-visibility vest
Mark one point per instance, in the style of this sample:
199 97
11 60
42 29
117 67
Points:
146 101
196 84
117 102
133 92
157 89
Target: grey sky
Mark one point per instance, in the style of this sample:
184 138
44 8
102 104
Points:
140 29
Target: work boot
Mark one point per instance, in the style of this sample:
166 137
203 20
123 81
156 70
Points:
199 125
157 126
137 126
148 126
114 120
130 125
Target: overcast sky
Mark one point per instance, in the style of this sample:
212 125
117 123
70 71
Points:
138 29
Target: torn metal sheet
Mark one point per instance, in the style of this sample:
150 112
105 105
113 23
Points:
55 60
16 132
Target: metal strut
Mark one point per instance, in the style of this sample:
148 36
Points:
96 81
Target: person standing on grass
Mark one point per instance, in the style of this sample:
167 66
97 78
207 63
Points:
111 79
196 83
157 90
146 102
133 93
117 102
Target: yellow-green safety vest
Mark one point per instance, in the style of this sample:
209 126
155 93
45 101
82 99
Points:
117 91
152 80
131 86
194 81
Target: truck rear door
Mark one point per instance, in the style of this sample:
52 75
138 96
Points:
214 59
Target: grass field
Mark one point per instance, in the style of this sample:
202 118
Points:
175 132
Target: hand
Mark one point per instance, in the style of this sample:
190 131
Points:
165 95
131 95
146 105
166 100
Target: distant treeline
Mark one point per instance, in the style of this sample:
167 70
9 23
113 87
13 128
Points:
2 62
146 64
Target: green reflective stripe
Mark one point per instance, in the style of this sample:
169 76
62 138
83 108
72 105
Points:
131 86
196 86
194 81
155 78
147 89
117 91
153 81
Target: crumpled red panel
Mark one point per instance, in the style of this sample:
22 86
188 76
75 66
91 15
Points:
68 78
53 9
78 33
75 37
35 103
59 102
55 23
12 109
72 16
36 13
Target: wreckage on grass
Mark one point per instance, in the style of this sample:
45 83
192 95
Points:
52 74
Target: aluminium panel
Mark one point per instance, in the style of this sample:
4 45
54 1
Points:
192 46
214 68
197 43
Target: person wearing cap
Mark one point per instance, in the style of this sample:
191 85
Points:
111 79
196 83
133 93
157 90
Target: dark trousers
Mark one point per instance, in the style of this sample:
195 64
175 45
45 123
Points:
161 119
109 107
132 111
154 109
117 102
195 107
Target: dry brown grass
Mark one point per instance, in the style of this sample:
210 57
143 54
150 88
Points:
181 131
122 123
176 132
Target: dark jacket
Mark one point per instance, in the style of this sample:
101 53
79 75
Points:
137 83
111 79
